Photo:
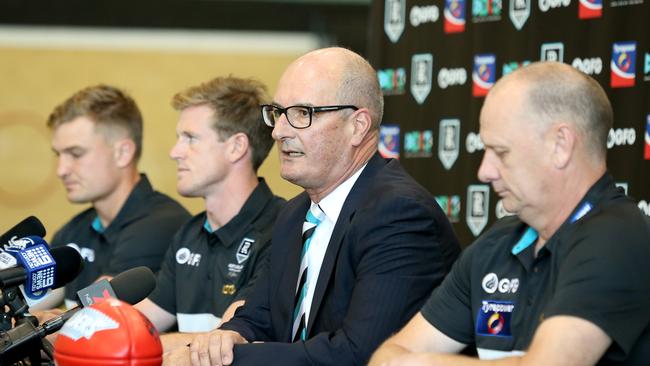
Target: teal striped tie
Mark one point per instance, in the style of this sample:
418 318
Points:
308 228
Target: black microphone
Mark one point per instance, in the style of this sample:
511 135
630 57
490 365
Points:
30 226
68 265
131 286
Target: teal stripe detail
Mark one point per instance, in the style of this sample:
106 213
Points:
97 225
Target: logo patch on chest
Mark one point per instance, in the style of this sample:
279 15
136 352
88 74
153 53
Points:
244 250
493 318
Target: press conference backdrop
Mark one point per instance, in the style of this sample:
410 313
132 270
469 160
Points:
437 59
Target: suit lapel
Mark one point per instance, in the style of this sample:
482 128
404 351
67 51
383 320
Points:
340 228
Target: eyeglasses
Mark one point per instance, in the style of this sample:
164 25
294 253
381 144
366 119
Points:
298 116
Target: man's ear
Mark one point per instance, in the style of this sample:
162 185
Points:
238 146
564 143
361 122
123 152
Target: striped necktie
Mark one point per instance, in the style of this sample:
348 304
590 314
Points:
308 227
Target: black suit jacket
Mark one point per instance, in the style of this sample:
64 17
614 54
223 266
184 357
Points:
390 247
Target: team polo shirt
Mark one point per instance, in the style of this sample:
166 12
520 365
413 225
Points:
205 271
594 267
139 235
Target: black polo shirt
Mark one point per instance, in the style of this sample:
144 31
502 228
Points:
138 236
205 271
594 267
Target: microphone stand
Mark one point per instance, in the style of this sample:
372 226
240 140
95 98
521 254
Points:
19 343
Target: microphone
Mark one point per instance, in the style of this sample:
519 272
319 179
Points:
28 227
132 286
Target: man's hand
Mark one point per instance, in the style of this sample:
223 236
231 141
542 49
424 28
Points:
215 348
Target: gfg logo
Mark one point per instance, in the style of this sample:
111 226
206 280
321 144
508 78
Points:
473 143
424 14
590 66
184 256
621 136
644 207
450 77
491 284
546 5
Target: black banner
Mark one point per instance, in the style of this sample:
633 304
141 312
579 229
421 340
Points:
437 60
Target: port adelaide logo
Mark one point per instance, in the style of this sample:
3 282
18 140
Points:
394 19
478 199
519 11
449 142
421 76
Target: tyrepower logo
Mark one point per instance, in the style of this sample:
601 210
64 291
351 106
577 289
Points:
451 77
590 66
589 9
546 5
424 14
454 14
483 76
621 137
623 64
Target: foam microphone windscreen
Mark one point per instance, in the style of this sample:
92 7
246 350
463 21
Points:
134 285
30 226
68 265
109 332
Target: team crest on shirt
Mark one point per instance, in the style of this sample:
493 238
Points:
244 250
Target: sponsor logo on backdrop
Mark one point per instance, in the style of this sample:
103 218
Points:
623 64
621 137
392 81
623 185
511 66
478 199
394 18
473 143
449 142
493 318
519 11
552 52
389 141
421 76
451 77
424 14
589 9
500 211
418 144
646 67
617 3
454 14
644 206
646 137
484 74
486 10
546 5
590 66
450 205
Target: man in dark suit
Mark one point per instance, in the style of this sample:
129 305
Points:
356 254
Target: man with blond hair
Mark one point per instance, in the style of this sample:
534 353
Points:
215 258
565 281
97 137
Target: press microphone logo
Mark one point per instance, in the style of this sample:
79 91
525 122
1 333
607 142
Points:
98 291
